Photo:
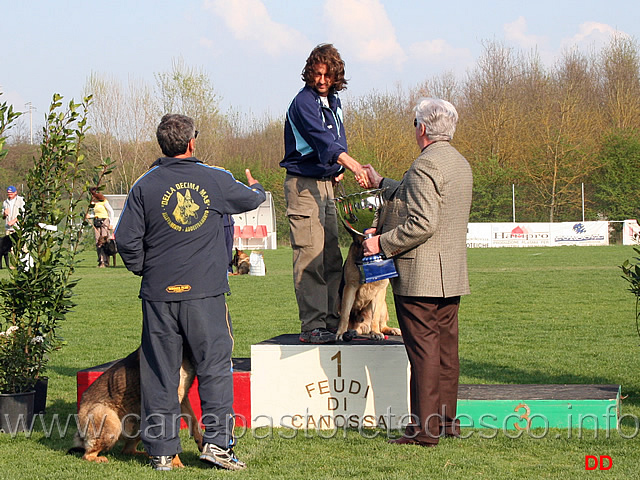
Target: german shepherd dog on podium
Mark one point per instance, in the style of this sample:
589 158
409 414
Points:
363 307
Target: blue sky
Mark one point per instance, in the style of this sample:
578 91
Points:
254 50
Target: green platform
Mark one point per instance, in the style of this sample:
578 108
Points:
522 407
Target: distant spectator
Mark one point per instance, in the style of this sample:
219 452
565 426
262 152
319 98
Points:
11 208
102 224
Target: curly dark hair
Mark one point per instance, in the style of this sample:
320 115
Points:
328 54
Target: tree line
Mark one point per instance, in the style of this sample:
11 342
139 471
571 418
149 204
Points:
545 133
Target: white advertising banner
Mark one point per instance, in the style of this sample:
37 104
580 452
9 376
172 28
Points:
485 235
520 235
478 235
580 233
630 232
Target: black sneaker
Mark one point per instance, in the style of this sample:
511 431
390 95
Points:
318 336
162 462
221 458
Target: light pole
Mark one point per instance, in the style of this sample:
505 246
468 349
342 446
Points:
31 109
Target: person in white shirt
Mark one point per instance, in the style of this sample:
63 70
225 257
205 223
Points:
11 208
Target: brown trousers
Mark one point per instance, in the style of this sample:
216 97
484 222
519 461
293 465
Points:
430 332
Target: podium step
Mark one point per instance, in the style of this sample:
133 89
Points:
365 383
241 389
522 407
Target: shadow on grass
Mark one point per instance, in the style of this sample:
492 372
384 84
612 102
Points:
64 371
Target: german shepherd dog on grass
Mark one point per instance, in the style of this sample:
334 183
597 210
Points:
5 248
241 262
110 409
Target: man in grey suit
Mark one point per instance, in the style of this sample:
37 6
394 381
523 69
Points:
423 227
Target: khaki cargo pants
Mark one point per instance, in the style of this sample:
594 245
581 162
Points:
317 261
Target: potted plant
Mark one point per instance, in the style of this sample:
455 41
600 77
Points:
631 273
37 295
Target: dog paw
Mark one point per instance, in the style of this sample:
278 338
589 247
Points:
377 336
395 331
95 458
347 336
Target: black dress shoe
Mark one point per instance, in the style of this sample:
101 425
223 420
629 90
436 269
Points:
410 441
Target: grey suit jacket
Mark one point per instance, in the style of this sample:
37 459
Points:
424 224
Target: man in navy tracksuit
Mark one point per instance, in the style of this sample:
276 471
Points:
171 233
315 157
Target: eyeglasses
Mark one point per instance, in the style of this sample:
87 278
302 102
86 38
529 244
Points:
196 134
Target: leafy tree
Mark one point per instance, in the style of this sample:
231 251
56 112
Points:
617 190
492 194
380 132
36 296
563 125
7 117
488 107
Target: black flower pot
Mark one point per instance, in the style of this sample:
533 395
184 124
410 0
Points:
16 411
40 399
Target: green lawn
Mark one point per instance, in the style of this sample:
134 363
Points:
535 315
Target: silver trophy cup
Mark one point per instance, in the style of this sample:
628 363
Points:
357 212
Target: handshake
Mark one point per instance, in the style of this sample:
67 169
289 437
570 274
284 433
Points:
367 177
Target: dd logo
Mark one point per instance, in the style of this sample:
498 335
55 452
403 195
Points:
591 462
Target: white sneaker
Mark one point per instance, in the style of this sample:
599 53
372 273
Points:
221 458
162 462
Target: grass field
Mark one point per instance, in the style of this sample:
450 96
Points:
535 315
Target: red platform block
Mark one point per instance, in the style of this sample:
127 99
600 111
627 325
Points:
241 389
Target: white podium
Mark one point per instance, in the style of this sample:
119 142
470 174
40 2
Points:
359 384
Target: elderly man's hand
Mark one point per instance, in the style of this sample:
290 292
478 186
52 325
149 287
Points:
371 246
373 177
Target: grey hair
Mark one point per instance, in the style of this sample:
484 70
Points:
438 116
174 133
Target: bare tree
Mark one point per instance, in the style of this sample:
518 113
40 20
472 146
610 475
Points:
379 131
488 107
189 91
122 125
619 73
563 126
445 86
